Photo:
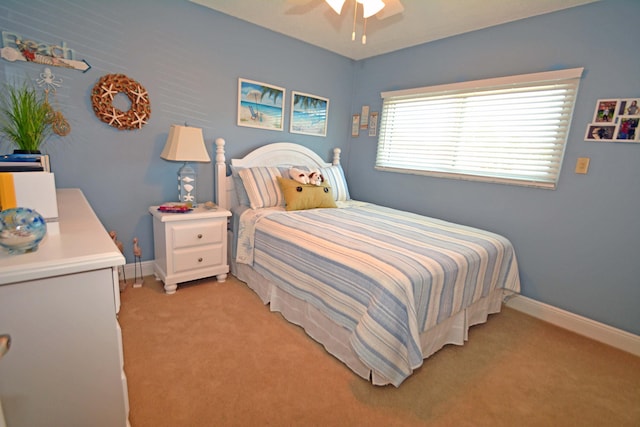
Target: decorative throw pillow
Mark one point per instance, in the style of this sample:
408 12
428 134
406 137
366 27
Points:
334 176
262 186
306 196
241 193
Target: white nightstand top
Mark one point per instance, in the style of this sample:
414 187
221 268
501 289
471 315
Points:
199 212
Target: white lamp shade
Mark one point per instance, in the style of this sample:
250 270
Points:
185 144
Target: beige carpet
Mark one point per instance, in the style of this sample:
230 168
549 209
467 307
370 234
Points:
213 355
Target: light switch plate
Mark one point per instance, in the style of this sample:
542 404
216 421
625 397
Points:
582 165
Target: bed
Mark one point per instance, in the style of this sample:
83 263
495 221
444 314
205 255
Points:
380 289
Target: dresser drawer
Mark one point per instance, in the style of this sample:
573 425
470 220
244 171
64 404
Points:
197 233
197 257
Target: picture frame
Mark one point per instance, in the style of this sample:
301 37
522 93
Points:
615 120
373 124
599 132
629 107
260 105
309 114
605 111
355 125
627 129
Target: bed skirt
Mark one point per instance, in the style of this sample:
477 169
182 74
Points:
335 338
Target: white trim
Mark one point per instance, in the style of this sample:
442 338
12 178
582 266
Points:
580 325
496 81
129 270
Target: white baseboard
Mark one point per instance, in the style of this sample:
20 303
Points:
130 271
580 325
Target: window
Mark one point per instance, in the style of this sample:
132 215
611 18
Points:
509 130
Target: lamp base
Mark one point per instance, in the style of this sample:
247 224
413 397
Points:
187 185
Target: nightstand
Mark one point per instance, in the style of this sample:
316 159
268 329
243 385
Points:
189 246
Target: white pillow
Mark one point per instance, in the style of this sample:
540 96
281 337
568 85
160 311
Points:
261 184
334 175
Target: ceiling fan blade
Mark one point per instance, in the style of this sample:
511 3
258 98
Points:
336 5
391 7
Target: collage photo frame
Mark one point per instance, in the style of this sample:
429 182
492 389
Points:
615 120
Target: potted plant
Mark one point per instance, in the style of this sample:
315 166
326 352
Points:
25 118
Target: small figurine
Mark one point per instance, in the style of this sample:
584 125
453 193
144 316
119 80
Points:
120 246
137 255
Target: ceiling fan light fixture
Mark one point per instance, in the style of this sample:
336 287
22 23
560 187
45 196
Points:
371 7
336 5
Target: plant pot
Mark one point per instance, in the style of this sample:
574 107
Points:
26 152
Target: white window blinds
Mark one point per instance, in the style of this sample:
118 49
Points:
508 129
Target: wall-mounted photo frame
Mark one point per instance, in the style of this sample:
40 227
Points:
373 123
615 120
260 105
355 125
629 107
597 132
605 111
309 114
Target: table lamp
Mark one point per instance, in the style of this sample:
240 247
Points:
186 144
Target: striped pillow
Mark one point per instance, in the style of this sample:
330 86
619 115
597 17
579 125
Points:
261 184
334 175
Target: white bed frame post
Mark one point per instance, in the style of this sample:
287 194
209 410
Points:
222 197
336 156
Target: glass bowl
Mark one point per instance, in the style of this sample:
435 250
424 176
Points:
21 230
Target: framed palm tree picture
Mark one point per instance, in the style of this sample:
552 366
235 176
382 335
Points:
260 105
309 114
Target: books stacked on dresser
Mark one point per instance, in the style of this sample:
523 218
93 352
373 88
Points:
26 181
23 162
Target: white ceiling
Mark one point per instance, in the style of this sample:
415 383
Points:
314 22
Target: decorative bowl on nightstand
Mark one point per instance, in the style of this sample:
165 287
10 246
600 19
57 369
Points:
21 230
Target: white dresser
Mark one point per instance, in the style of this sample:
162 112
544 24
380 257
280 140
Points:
60 304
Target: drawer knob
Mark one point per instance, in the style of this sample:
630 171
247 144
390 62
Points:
199 259
199 236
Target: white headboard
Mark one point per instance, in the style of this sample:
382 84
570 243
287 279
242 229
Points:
275 154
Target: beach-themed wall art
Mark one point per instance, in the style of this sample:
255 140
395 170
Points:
260 105
615 120
309 114
104 94
17 48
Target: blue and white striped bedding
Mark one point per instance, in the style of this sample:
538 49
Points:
383 274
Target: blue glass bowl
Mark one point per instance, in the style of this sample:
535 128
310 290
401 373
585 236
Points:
21 230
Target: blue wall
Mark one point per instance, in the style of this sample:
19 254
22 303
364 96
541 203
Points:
577 245
189 59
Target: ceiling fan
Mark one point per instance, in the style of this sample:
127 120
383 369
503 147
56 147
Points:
381 9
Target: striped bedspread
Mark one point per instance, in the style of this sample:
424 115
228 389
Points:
384 274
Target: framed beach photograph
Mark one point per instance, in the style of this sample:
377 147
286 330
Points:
260 105
309 114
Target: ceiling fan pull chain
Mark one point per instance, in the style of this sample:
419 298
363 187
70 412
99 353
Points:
355 14
364 32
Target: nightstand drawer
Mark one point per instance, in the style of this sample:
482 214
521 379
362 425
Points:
198 257
196 234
